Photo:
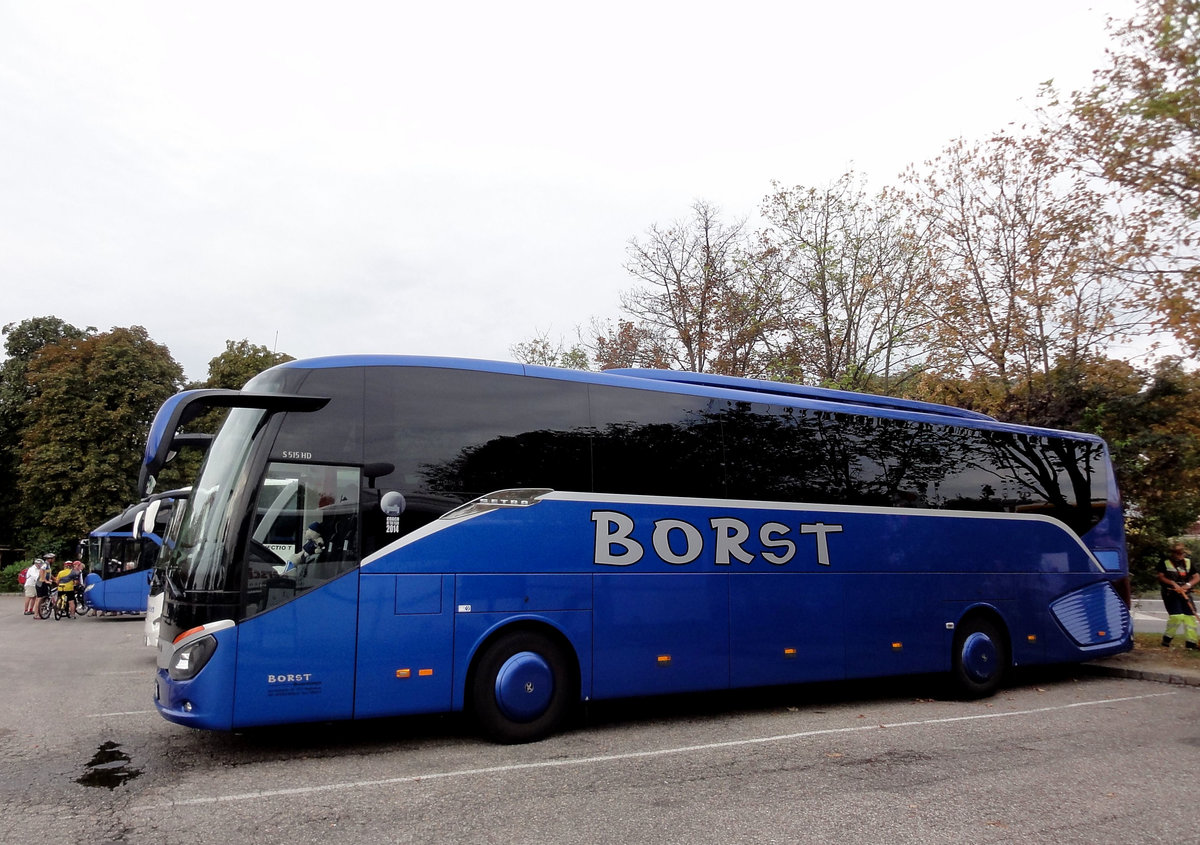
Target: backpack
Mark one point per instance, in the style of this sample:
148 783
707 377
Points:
21 577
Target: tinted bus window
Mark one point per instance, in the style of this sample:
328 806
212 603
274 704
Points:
445 437
333 436
802 455
653 443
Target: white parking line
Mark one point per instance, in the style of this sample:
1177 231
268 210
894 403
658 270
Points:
612 758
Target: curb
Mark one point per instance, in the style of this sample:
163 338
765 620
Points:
1141 674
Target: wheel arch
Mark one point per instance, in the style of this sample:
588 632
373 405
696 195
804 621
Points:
990 614
532 625
980 639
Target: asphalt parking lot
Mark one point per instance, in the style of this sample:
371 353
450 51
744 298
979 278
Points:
1063 756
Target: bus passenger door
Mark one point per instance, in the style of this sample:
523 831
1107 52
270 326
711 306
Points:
128 592
296 644
295 661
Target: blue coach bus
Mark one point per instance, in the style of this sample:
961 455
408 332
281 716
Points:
383 535
122 552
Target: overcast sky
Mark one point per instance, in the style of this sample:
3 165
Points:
452 178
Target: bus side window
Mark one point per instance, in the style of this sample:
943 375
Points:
305 531
485 432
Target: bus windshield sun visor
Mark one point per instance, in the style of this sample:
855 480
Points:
182 408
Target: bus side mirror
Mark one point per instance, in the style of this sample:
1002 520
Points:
150 515
377 470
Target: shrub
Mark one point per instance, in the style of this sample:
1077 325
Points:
8 576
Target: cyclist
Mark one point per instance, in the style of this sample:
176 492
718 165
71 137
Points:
67 578
81 604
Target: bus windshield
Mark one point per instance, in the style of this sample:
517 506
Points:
112 555
122 551
195 563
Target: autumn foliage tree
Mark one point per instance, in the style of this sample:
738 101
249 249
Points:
1138 128
853 275
1028 260
697 306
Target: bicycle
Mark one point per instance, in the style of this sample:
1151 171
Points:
82 606
62 604
47 605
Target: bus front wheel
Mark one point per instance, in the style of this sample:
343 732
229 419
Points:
522 688
980 658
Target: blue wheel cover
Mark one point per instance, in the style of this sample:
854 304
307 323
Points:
980 659
524 686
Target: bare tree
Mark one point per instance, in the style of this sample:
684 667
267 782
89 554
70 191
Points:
544 351
698 305
852 271
1028 259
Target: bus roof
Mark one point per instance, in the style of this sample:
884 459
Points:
727 387
660 379
824 394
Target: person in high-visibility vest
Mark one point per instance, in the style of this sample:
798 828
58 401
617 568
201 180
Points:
1178 577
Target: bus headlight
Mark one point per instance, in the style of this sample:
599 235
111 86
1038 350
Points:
191 658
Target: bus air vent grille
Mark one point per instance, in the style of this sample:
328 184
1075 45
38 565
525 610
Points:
1093 616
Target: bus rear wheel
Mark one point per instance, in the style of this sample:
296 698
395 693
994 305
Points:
980 659
522 688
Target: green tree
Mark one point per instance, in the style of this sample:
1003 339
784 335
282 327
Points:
1138 127
1156 447
23 341
86 428
1151 421
240 362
